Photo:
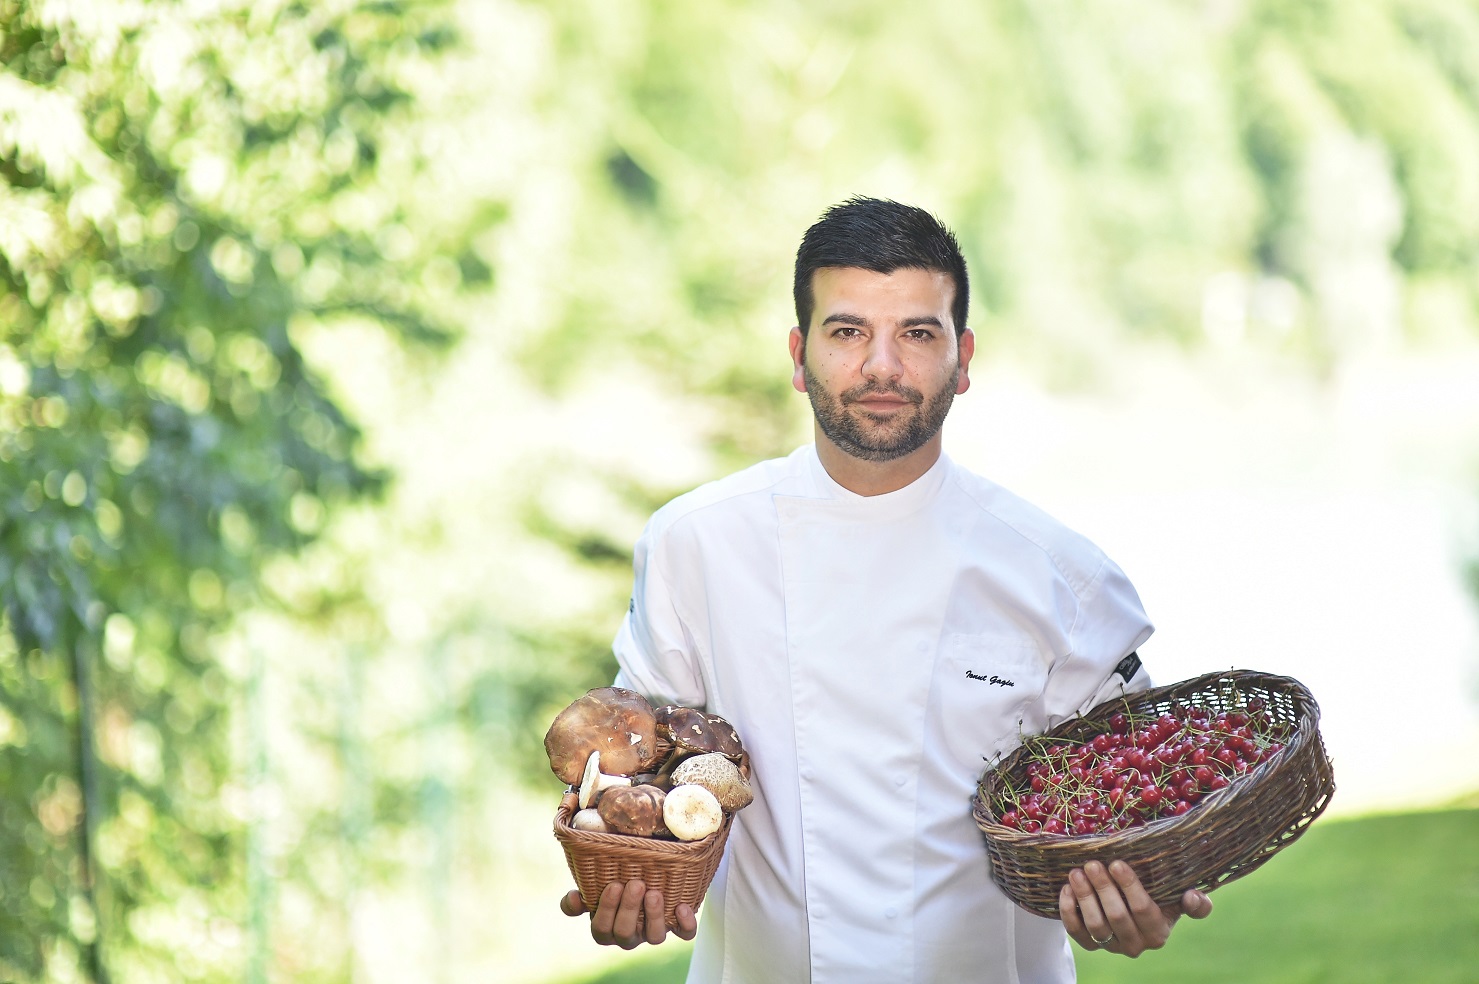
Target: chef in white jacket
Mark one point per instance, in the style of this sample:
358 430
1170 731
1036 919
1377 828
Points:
879 624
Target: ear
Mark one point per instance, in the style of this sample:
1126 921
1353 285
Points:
797 344
967 349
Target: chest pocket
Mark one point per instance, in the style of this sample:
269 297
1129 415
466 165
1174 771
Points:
983 688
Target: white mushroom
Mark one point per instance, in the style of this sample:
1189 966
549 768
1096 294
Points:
594 782
718 775
589 820
691 812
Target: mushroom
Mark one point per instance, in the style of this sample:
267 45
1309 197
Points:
595 782
663 715
589 820
691 812
685 727
726 739
718 775
634 810
614 721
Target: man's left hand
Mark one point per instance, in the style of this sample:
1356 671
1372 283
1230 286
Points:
1108 909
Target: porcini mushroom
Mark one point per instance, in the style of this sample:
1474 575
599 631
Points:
614 721
687 728
718 775
691 812
662 714
726 739
634 810
595 782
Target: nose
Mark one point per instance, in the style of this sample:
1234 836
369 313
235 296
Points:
883 363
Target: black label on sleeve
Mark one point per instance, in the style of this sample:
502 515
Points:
1128 666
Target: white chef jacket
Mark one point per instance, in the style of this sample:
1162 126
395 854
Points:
875 653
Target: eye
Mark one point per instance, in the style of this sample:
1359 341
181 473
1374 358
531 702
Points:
846 331
920 334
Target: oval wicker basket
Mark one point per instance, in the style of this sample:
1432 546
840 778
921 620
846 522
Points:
681 870
1226 835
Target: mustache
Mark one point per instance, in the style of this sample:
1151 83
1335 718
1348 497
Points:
873 389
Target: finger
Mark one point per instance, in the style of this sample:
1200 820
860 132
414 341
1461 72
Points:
1089 909
1072 921
1197 905
1111 899
687 926
1124 924
1152 923
571 905
653 917
624 931
605 915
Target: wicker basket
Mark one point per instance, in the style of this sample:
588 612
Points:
681 870
1229 833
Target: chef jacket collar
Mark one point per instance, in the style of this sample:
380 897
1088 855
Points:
900 502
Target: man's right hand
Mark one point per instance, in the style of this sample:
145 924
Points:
628 915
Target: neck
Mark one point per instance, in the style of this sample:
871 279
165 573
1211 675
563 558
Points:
875 477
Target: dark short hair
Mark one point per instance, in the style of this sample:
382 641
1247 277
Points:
882 236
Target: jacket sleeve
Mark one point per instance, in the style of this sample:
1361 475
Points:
654 647
1102 662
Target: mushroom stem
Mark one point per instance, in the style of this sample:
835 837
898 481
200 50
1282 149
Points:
595 782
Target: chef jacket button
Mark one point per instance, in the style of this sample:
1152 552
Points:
806 775
891 912
922 647
899 780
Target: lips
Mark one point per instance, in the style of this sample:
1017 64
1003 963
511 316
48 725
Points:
881 406
884 398
880 402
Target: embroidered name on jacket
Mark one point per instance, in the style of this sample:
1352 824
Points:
992 679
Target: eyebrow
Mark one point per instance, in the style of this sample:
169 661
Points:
860 322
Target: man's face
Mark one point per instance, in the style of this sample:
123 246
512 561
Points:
881 363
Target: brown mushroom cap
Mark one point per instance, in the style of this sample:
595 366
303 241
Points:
663 714
616 722
726 739
633 810
690 732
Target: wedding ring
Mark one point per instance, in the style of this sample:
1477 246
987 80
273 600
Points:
1104 942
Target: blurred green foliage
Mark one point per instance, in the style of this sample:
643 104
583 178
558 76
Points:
184 190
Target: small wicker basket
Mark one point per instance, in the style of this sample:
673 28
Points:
681 870
1229 833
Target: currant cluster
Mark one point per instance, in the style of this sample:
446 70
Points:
1143 768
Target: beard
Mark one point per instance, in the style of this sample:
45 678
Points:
872 437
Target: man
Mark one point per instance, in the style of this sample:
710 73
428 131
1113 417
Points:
878 624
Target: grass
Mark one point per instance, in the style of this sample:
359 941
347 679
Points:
1371 900
1367 901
